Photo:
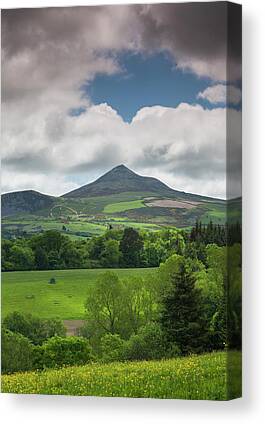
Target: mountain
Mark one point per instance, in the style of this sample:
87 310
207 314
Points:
28 201
120 180
118 185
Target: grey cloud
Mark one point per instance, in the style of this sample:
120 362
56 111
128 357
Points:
49 53
30 162
105 158
59 38
153 156
197 36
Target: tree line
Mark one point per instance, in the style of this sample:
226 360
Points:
126 248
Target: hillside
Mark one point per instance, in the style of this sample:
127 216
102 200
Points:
25 202
118 198
122 179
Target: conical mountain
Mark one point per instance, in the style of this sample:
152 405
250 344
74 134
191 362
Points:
120 180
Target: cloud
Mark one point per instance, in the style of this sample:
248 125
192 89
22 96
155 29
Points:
184 146
49 54
221 94
61 48
196 34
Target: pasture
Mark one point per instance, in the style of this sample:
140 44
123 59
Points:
30 291
193 377
77 228
123 206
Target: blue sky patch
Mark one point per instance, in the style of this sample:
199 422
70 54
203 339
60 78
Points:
145 81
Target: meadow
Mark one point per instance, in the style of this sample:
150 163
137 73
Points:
76 228
123 206
193 377
30 291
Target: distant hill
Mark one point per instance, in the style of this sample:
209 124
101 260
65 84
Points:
120 184
120 180
28 201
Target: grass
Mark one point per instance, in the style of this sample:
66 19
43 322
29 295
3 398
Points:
194 377
30 291
95 205
76 228
53 224
123 206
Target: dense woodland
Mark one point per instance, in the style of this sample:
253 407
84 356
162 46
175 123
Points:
127 248
190 304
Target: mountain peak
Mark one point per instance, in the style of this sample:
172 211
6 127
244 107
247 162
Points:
120 179
122 168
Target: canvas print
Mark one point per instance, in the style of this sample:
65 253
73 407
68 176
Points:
121 201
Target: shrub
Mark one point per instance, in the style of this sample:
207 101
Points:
149 343
36 329
17 352
112 347
59 351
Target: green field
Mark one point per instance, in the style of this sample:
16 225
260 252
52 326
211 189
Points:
30 291
194 377
53 224
76 228
123 206
88 217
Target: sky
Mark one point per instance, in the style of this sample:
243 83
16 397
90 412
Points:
85 89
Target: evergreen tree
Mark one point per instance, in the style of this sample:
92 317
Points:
182 316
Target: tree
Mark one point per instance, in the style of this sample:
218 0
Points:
119 307
7 265
41 258
59 351
55 260
70 255
110 255
51 240
96 247
37 330
17 352
104 305
182 314
112 347
131 246
21 257
139 304
149 343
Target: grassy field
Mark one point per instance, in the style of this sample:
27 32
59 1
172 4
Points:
53 224
30 291
195 377
76 228
123 206
92 216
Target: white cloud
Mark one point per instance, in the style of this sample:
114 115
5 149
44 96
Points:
221 94
184 146
49 53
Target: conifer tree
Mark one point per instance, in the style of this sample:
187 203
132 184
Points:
182 317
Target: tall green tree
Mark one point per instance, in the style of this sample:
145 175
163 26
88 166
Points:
104 305
21 257
182 313
110 255
131 246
